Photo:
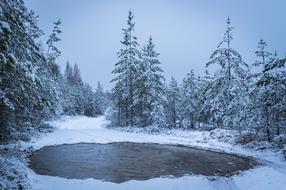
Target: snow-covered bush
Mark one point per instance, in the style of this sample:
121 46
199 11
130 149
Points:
13 166
145 130
259 141
222 135
246 138
280 141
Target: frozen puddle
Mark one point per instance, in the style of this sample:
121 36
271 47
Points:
120 162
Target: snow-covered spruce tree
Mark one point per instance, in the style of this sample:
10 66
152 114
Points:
67 100
229 86
149 86
158 114
204 110
68 73
77 88
89 101
269 92
7 63
73 91
53 52
93 101
26 88
78 98
126 71
278 82
76 75
100 99
25 99
262 100
172 105
190 101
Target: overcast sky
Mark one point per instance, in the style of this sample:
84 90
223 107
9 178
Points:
185 31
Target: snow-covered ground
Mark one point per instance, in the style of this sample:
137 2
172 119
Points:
69 130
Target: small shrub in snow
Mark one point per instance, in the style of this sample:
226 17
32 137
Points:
246 138
146 130
280 141
222 135
13 165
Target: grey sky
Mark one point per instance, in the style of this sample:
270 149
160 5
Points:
185 31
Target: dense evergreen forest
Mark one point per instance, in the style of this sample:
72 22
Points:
235 96
32 88
238 95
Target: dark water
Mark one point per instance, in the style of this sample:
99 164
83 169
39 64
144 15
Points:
120 162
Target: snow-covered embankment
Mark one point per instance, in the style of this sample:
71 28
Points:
71 130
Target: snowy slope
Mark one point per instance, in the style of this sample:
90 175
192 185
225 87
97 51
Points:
70 130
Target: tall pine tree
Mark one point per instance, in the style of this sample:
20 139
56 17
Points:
150 88
172 107
189 103
126 71
230 82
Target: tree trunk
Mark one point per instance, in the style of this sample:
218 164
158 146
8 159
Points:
268 134
278 130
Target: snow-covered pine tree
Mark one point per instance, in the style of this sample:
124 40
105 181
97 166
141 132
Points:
126 71
25 99
76 75
262 92
68 73
269 91
150 88
7 63
76 88
53 52
100 99
172 107
204 83
67 100
278 84
189 103
158 114
90 108
28 91
229 84
78 98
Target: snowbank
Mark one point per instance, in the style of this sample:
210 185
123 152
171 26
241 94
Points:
71 130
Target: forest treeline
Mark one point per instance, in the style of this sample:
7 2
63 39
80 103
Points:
239 95
32 88
235 96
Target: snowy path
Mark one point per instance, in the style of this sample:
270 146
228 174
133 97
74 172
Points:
89 130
